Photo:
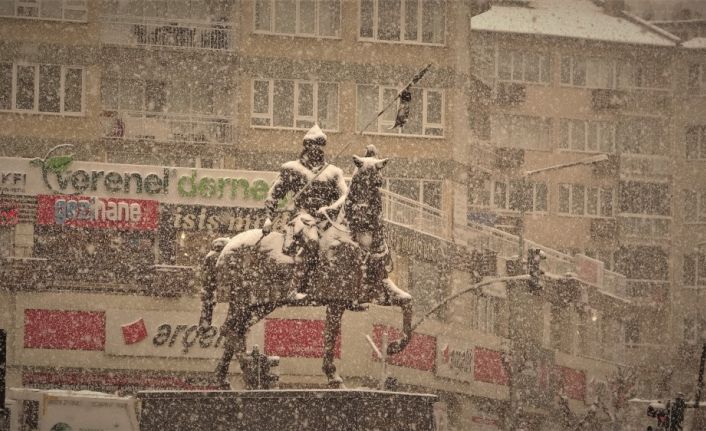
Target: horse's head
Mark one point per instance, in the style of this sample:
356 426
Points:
367 176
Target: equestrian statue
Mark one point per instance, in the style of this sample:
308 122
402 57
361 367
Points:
331 253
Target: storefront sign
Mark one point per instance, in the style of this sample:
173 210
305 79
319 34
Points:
65 176
573 382
163 334
297 338
420 353
454 359
488 366
12 182
222 220
115 213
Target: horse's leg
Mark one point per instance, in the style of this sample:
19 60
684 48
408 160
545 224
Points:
234 329
404 301
332 330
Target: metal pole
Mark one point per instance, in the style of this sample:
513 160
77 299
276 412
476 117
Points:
3 367
700 386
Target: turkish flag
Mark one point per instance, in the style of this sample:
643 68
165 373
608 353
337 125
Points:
134 332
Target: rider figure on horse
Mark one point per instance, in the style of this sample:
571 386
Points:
320 191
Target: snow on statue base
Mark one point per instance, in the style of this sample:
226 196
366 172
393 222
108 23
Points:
317 262
299 410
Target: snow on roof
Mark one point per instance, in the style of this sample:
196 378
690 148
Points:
580 19
695 43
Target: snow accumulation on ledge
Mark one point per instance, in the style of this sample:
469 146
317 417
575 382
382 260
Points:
580 19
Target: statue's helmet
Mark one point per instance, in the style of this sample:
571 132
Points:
315 136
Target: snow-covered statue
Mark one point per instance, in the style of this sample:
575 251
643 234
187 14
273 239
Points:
332 253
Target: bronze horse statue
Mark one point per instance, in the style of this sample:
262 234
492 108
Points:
255 268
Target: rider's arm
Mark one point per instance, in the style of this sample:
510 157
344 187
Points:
342 193
279 189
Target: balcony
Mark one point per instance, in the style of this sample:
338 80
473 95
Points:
415 215
648 101
162 127
139 32
644 166
510 94
647 292
603 229
643 227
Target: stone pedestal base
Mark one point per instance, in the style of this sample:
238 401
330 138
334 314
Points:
285 410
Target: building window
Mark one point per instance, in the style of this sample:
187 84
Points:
694 330
696 143
41 88
632 332
637 197
59 10
520 131
694 206
694 270
485 318
427 192
697 79
640 135
293 104
522 66
426 111
7 241
598 72
317 18
158 96
591 136
577 199
406 21
503 195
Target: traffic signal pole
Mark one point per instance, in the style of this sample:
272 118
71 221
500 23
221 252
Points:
3 368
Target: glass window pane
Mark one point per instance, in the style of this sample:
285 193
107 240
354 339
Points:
434 107
283 104
578 72
202 98
24 98
532 67
307 17
578 135
541 194
73 90
263 15
565 70
389 15
690 205
410 19
305 104
51 9
327 114
500 195
607 202
330 18
433 21
692 143
366 105
366 18
545 67
702 154
28 11
592 201
109 93
388 118
155 96
49 85
517 65
132 95
578 201
285 16
564 195
432 193
414 125
7 7
504 64
564 133
261 97
5 86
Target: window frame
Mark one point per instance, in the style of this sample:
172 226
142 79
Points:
698 260
567 145
600 191
7 241
510 124
699 89
297 20
385 124
62 89
699 197
489 192
700 131
38 6
295 108
402 41
542 55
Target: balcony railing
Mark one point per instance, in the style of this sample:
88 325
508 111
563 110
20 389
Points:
644 165
647 291
162 127
410 213
644 226
134 31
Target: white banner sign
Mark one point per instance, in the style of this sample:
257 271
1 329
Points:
171 334
193 186
454 359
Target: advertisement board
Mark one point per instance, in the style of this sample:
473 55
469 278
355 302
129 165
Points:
454 359
85 211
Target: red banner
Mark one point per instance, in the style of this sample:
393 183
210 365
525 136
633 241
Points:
9 215
67 330
296 338
488 367
574 382
84 211
420 353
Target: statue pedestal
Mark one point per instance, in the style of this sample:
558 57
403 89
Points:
280 410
